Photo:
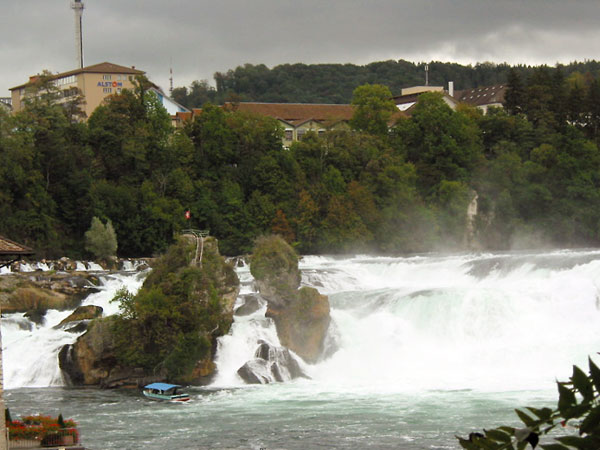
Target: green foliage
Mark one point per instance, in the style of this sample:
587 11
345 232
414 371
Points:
334 83
101 239
170 323
374 107
534 166
272 256
578 407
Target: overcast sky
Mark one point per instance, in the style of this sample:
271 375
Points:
198 38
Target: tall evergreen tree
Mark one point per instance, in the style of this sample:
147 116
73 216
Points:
514 97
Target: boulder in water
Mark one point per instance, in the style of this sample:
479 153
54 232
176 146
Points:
255 371
79 328
250 306
82 313
302 325
271 364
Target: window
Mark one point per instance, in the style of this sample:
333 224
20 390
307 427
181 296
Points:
65 80
107 90
106 77
321 132
300 133
118 90
289 134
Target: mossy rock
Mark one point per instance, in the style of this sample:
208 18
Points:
30 298
272 256
86 312
302 325
274 266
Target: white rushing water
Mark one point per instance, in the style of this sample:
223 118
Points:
487 322
483 322
30 350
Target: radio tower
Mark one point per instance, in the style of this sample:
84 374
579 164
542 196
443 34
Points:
77 6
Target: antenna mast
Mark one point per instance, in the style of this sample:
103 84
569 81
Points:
77 6
171 79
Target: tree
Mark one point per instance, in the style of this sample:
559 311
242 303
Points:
101 239
514 97
281 227
443 144
593 106
374 108
3 440
199 93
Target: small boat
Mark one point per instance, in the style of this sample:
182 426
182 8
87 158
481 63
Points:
165 391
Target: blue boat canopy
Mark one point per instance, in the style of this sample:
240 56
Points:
161 386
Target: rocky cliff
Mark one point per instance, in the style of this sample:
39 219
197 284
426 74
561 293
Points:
166 331
301 316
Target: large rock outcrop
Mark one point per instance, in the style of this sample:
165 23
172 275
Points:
170 332
301 316
93 360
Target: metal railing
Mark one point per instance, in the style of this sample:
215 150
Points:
200 235
197 233
64 437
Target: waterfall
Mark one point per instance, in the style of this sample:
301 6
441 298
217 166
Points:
491 322
488 322
30 350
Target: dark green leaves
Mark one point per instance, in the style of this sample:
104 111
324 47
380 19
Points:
566 399
578 399
594 374
583 384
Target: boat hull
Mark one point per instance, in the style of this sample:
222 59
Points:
167 397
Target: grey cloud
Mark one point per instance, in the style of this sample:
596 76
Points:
202 37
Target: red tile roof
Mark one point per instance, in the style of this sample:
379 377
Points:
292 113
482 95
296 113
8 247
104 67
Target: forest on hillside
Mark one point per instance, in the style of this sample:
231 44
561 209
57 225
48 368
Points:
534 166
334 83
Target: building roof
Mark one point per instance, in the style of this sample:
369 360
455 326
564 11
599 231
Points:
481 96
168 102
297 113
406 103
294 114
8 247
104 67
